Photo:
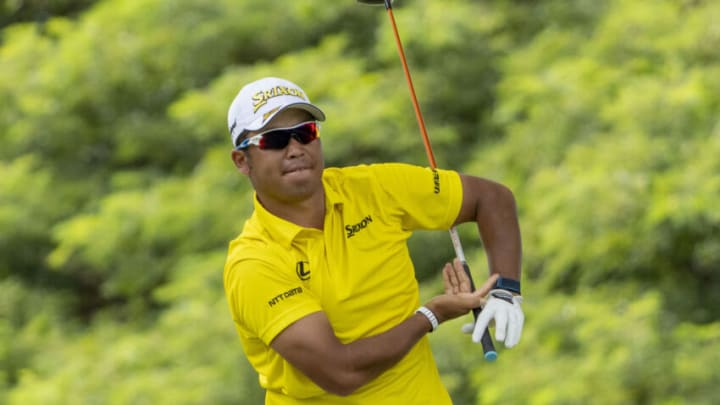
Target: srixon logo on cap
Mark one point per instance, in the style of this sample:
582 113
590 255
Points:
262 97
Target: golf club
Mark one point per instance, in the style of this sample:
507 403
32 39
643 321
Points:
489 351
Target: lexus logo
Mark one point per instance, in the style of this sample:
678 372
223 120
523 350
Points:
302 271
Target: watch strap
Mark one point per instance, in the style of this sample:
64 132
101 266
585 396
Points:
508 284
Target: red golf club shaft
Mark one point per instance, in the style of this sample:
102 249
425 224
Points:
408 78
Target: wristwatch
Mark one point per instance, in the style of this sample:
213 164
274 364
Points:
508 284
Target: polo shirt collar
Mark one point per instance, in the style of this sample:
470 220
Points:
332 196
285 231
279 229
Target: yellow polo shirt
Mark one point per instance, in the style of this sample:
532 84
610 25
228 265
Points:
357 270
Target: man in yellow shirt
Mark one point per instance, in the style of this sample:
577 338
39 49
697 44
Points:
320 283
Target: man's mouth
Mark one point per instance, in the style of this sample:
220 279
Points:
297 169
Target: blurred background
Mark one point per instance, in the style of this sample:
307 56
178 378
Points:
118 196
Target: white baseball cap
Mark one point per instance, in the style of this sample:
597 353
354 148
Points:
258 102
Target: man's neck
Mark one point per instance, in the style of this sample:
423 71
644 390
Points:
308 213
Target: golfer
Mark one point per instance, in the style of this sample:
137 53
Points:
320 283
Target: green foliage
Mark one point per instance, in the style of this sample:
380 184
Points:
129 245
30 319
118 196
174 359
634 117
15 11
610 347
22 185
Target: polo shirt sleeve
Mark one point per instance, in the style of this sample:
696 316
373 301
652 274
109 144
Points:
263 300
422 197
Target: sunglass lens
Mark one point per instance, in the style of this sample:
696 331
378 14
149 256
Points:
306 133
274 140
280 138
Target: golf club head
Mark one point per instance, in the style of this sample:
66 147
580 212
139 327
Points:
373 2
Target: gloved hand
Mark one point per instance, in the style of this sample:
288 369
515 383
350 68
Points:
503 307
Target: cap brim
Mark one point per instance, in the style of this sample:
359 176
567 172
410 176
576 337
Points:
312 109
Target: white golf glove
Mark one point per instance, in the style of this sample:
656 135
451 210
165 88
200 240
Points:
505 309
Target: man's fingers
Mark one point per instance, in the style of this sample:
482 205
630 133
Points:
501 324
488 285
513 331
463 276
447 279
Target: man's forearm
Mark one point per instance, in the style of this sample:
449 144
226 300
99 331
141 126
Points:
369 357
492 206
373 355
500 233
343 368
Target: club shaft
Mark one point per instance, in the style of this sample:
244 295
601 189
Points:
486 341
413 96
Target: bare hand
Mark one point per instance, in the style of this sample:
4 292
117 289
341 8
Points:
458 300
455 278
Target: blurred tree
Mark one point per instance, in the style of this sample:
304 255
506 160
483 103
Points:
39 11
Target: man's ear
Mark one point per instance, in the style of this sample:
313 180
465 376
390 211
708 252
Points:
240 159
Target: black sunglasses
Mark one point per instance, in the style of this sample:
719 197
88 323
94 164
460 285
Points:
279 138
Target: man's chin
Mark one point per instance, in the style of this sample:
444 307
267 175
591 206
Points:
301 182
